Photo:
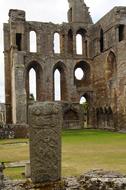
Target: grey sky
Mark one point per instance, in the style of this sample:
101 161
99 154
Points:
46 11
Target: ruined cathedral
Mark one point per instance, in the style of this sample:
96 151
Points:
102 61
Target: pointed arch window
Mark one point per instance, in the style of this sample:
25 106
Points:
59 82
111 66
57 85
32 84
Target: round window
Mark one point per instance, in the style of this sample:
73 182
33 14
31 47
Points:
79 74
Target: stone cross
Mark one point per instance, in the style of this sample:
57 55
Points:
45 120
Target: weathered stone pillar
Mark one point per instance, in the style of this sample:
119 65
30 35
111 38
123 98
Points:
74 43
19 98
45 120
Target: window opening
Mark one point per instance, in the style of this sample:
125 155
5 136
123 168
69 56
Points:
101 41
79 74
32 84
56 43
121 32
57 85
33 42
79 46
18 41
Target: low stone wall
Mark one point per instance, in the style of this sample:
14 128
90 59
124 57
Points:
97 180
93 180
14 131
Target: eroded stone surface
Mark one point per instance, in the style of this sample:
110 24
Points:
93 180
45 120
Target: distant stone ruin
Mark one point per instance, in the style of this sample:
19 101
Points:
101 60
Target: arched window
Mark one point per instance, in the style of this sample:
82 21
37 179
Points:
59 82
56 43
33 41
32 84
80 39
79 45
111 67
57 85
34 81
101 40
83 100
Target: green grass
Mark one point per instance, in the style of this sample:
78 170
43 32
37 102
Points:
82 150
13 150
15 173
91 149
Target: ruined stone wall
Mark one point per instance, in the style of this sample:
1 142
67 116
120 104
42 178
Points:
45 59
108 75
95 179
102 61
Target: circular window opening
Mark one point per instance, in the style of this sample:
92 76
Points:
79 74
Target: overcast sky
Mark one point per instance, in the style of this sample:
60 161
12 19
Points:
46 11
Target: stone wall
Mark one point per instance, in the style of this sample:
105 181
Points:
93 180
102 62
14 131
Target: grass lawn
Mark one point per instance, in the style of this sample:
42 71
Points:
13 150
82 150
14 173
91 149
